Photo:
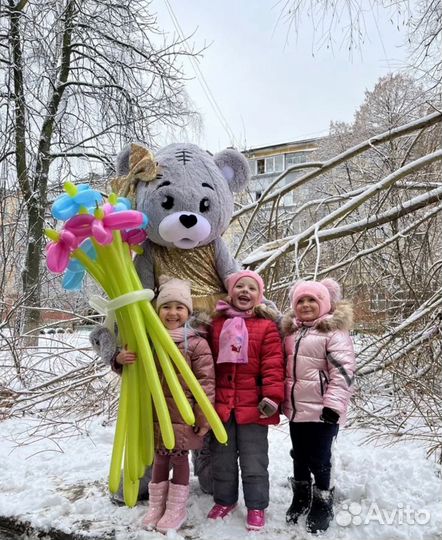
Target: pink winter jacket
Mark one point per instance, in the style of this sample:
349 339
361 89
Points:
320 363
198 355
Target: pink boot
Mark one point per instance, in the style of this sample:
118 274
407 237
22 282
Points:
255 520
218 511
176 508
157 504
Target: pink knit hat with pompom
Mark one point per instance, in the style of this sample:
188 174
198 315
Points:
326 292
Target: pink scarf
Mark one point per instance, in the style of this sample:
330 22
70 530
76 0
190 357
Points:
234 337
183 333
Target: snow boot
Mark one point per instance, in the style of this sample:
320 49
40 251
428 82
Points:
176 508
302 498
220 511
321 510
157 504
143 490
256 520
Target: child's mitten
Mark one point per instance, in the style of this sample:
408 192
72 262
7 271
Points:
267 407
329 416
103 343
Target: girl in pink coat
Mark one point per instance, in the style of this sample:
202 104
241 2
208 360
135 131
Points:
168 498
320 363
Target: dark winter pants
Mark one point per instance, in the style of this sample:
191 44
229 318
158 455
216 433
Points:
312 451
249 443
202 465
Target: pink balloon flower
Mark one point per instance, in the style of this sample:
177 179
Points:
58 252
134 236
103 223
80 226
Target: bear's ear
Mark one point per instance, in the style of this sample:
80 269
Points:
122 164
135 163
136 159
234 167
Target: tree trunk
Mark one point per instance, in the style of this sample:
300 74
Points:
31 275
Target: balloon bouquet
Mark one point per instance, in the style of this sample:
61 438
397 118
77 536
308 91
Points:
98 237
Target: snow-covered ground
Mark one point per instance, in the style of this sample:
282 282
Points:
382 493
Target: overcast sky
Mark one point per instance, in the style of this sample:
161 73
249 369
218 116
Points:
273 84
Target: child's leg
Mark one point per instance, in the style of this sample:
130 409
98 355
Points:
301 482
299 435
225 466
253 448
321 438
158 489
176 505
160 469
180 468
202 465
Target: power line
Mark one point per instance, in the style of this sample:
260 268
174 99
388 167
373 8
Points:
201 79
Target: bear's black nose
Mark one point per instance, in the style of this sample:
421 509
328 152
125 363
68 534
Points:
188 220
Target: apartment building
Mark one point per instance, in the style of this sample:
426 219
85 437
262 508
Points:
268 162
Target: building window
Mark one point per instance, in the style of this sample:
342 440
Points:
279 163
252 165
270 165
295 158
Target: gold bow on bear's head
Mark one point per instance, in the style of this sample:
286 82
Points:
142 168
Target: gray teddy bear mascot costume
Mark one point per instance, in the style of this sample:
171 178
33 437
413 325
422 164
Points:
187 194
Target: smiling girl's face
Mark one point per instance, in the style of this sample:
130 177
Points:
245 294
173 315
307 309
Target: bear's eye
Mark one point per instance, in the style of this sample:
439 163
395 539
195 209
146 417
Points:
204 205
167 203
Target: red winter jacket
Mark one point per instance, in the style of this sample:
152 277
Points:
240 387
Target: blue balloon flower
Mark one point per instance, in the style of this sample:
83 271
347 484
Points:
76 197
123 204
75 272
72 281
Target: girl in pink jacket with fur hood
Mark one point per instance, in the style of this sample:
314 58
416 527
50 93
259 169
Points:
320 363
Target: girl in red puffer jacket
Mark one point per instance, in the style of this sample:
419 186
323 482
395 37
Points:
320 363
249 369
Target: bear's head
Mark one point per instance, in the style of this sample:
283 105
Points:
186 192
